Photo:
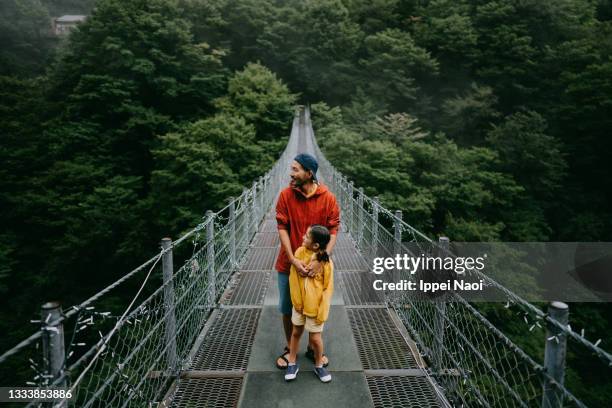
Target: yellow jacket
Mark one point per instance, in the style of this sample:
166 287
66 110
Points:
312 295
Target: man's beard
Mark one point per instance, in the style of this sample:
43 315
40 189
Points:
298 182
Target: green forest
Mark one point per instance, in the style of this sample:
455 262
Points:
482 120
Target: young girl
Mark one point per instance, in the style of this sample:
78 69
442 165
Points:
311 297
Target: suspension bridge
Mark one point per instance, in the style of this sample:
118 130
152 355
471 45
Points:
207 333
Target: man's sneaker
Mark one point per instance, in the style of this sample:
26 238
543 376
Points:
291 372
323 374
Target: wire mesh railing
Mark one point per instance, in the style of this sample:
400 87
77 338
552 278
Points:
115 353
480 354
110 355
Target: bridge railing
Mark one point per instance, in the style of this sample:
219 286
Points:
112 356
504 354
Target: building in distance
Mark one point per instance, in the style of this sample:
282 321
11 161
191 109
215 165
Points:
64 24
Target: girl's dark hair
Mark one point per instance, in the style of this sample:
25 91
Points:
321 236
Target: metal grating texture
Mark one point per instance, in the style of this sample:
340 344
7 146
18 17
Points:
358 289
268 226
348 259
379 342
344 241
260 259
247 288
402 392
207 392
266 239
227 344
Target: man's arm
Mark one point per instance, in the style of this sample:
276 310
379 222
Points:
331 244
333 223
286 244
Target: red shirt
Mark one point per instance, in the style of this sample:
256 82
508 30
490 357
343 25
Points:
295 213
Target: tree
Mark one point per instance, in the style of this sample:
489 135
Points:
130 72
532 156
440 186
313 45
446 29
393 66
24 34
256 94
467 117
189 178
374 15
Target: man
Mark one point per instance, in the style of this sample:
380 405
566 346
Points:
303 203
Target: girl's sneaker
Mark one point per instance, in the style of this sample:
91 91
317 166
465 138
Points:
291 373
323 374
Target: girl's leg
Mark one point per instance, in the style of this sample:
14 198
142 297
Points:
317 345
294 344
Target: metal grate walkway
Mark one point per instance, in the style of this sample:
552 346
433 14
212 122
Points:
372 360
209 332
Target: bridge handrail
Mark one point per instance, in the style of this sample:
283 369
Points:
424 320
246 212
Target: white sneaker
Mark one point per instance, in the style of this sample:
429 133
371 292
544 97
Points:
291 372
323 374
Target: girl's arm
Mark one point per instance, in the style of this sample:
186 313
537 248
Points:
294 286
328 290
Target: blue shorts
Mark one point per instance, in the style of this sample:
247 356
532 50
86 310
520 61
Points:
284 294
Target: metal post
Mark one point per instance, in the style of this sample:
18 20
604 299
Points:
169 304
350 208
261 197
247 216
440 321
210 258
374 247
361 220
232 229
265 191
397 227
53 342
335 181
554 354
254 213
397 240
344 206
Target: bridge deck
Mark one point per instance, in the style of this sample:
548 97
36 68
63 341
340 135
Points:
373 361
371 356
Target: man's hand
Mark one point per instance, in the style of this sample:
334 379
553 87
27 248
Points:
299 266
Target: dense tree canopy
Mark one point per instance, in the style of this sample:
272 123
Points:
480 119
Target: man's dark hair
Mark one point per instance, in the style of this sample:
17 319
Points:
308 163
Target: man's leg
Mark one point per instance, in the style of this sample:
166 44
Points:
288 327
284 306
311 349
